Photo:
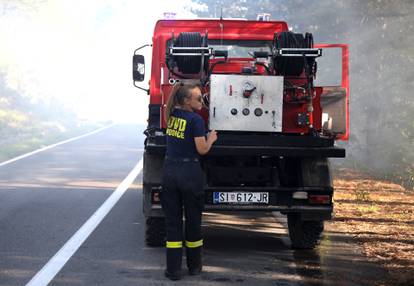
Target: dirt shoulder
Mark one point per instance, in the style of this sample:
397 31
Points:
380 216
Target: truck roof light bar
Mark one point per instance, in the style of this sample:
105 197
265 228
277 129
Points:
287 52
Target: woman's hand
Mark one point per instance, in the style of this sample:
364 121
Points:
203 145
212 137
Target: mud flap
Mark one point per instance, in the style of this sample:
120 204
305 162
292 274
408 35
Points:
152 177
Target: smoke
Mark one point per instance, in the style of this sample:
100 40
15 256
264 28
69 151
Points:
380 34
79 52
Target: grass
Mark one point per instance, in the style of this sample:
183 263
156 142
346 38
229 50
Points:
22 133
361 194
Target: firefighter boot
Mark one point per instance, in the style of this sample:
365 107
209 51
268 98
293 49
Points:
194 262
174 257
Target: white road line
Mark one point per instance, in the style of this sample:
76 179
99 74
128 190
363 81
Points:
56 263
54 145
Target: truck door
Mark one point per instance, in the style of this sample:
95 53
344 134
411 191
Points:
333 78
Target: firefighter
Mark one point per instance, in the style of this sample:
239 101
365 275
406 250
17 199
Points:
183 178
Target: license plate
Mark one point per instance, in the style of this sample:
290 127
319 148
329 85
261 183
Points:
240 197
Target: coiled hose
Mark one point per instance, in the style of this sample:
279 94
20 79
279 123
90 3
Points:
190 64
291 66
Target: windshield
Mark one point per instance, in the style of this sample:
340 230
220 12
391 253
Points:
240 49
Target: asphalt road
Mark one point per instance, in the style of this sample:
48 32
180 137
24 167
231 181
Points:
45 198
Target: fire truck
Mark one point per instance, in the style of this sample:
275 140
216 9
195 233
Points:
276 128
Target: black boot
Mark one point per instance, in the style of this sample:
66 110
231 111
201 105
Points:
194 262
174 257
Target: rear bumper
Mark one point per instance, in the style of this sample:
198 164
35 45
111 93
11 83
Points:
262 144
280 199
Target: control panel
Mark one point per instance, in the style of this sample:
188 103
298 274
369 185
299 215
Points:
246 103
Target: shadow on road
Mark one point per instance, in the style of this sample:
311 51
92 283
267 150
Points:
254 249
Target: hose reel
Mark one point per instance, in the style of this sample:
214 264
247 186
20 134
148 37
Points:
190 53
293 52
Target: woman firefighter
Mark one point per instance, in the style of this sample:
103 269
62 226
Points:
183 178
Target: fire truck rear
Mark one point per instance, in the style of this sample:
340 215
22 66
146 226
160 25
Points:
276 128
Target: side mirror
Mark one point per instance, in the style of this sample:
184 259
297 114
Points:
138 67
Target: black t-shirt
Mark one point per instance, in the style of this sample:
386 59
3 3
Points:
182 127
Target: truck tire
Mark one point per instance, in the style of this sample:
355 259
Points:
155 231
304 234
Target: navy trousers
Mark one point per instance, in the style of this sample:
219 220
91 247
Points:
182 190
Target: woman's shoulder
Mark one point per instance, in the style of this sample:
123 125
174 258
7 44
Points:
195 117
189 114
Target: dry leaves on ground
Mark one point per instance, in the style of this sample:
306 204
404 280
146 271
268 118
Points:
380 215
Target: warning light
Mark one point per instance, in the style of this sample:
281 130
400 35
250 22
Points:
263 17
169 15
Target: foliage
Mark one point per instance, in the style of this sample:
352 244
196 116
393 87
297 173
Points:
27 125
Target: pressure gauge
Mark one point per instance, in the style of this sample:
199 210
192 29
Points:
248 85
248 88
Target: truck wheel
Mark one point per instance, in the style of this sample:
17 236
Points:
304 234
155 231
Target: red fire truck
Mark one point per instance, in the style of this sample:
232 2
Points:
276 127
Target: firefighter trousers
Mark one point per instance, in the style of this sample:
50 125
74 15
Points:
183 188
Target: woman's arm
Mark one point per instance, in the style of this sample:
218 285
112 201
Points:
203 145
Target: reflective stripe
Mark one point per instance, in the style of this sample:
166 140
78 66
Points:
174 244
194 244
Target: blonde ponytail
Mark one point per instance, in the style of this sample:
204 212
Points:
172 101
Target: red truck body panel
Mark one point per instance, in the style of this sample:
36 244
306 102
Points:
237 30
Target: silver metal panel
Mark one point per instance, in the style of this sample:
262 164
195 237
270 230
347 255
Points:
226 94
